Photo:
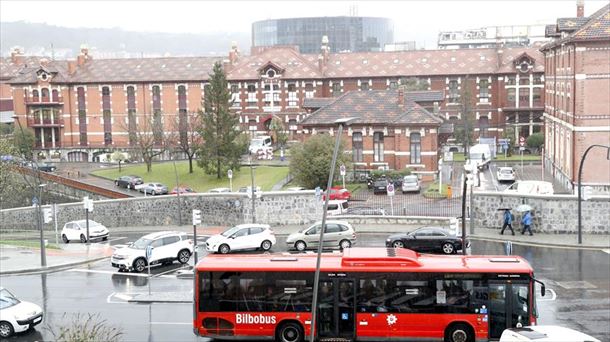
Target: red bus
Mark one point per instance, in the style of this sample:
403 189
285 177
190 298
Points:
365 294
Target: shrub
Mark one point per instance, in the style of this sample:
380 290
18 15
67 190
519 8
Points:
86 327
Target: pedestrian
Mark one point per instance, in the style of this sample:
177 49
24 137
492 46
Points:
526 221
508 221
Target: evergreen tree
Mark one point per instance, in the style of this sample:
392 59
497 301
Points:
221 148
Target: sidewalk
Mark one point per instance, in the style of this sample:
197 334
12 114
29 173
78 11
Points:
16 260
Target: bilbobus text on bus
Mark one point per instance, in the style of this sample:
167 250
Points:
364 294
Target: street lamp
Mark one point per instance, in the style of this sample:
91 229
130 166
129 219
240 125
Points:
582 162
341 122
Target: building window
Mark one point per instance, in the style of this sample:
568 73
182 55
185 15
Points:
156 93
483 91
524 81
182 97
510 97
483 126
454 94
35 94
235 100
537 98
357 147
524 97
308 90
107 127
157 127
132 126
252 100
537 79
378 146
415 140
292 95
393 84
511 80
292 124
364 86
106 98
45 94
336 89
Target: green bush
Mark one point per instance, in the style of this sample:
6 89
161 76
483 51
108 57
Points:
393 174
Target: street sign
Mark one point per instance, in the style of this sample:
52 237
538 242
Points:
149 250
587 193
230 174
88 204
196 217
390 189
342 170
47 214
34 200
318 192
521 141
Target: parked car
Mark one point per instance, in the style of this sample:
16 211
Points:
530 188
77 231
380 186
261 142
427 240
153 188
339 234
337 207
410 183
128 182
338 193
181 190
15 315
242 237
505 174
246 189
545 333
46 167
167 247
220 190
365 211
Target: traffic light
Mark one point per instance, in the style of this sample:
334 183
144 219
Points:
47 215
196 217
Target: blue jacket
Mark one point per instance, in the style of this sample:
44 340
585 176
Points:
508 217
527 219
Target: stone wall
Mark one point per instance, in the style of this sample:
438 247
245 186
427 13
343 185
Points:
552 214
275 208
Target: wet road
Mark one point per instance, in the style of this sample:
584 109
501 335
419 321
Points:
578 279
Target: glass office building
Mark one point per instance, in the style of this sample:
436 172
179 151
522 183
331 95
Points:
353 34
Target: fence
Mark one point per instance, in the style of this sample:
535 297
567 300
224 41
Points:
409 204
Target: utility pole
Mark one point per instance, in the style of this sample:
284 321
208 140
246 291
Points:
252 192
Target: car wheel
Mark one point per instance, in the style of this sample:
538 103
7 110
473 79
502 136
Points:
290 332
64 238
224 248
139 265
184 256
266 245
6 329
459 333
398 244
105 238
83 239
448 248
300 246
345 244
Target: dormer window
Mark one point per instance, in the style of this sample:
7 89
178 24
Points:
44 76
524 63
270 73
524 66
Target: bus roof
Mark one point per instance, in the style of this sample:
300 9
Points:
366 260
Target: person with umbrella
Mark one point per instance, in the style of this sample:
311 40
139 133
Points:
508 218
527 223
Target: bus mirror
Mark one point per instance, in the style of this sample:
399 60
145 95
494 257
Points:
542 290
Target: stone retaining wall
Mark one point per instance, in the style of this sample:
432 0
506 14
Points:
552 214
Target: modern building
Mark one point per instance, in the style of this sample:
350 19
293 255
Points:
492 36
577 101
353 34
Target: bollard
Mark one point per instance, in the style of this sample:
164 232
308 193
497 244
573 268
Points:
449 191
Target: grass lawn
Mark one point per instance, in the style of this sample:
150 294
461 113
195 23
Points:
432 191
27 243
500 157
264 176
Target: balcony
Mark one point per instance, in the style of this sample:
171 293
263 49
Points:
38 122
48 144
44 100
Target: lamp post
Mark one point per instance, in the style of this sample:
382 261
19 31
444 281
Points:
582 162
43 256
316 280
252 190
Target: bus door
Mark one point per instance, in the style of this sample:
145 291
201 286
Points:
336 308
508 306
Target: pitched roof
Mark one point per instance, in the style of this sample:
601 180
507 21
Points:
27 75
510 54
592 28
372 107
570 24
317 102
425 95
9 69
295 65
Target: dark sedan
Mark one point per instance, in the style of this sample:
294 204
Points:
46 167
128 182
380 186
427 240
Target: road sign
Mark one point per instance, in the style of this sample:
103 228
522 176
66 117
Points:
342 170
34 200
318 192
390 189
47 215
587 193
149 250
230 174
196 217
521 141
88 204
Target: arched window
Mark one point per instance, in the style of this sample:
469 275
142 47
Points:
415 139
35 95
45 93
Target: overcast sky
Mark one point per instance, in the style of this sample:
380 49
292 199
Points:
413 20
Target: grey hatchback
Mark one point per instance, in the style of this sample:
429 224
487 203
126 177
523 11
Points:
338 234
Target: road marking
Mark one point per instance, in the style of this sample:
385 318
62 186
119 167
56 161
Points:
109 272
606 251
166 272
120 296
553 296
171 323
117 238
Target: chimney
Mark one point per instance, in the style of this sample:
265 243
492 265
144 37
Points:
401 97
17 55
44 62
72 67
580 8
233 53
84 55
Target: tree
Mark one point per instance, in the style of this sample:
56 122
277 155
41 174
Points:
414 84
186 138
310 162
466 109
148 138
279 131
24 141
535 141
222 148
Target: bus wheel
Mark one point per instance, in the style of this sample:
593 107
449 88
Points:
459 333
290 332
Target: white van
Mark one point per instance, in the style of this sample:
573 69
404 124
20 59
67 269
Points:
337 207
478 155
530 188
261 142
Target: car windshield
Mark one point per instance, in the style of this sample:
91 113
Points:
477 156
508 171
410 179
230 231
256 142
7 299
141 243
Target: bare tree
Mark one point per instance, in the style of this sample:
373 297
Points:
147 137
185 137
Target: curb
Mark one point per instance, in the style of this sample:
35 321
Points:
49 269
135 300
538 244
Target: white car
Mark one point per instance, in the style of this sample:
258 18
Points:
505 174
240 237
530 188
410 183
15 315
77 231
545 333
167 247
336 207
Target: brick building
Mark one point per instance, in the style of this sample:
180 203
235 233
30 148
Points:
577 105
82 109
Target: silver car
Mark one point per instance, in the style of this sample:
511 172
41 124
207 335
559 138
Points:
410 183
153 188
338 234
